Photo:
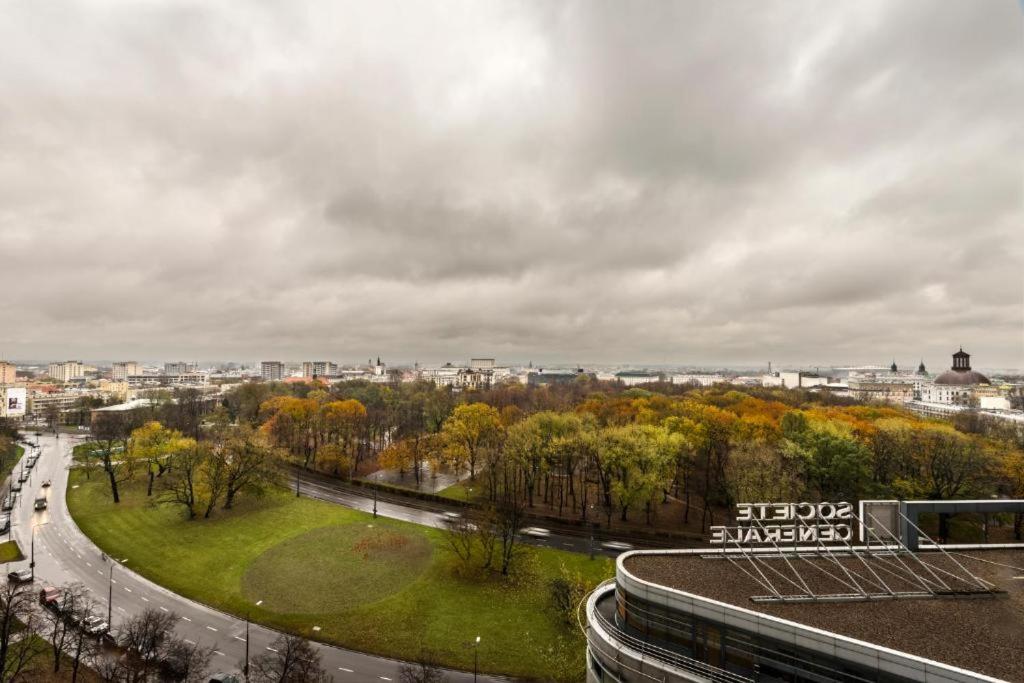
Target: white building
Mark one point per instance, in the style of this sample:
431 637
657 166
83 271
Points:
319 368
697 380
123 369
66 370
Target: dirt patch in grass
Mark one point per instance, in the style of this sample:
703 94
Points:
335 568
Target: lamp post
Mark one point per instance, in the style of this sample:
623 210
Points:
476 657
245 669
110 597
375 502
32 562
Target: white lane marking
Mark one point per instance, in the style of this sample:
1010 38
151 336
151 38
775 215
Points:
218 652
190 642
113 581
384 678
128 589
99 572
186 619
164 608
240 638
211 628
271 649
341 668
144 599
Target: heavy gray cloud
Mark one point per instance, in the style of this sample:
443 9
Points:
659 182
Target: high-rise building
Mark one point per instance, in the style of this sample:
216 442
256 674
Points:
8 373
65 371
124 369
271 370
178 368
319 368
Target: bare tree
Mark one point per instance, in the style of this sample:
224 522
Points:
460 535
18 618
292 660
83 647
424 670
186 662
146 637
59 620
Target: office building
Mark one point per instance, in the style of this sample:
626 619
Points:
319 368
178 368
798 592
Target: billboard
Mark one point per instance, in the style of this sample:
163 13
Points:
14 402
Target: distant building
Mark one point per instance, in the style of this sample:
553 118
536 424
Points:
481 363
632 378
272 370
178 368
8 373
124 369
185 379
542 376
697 380
793 380
319 368
957 386
66 370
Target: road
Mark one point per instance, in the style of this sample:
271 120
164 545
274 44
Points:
63 554
323 488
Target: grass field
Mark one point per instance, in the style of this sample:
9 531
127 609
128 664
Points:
9 460
375 585
460 491
10 552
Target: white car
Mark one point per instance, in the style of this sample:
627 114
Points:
620 546
535 532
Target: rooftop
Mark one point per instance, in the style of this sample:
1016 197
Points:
983 634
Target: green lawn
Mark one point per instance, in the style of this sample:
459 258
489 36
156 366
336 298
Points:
375 585
460 491
10 552
9 459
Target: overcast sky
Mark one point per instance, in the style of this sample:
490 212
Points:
647 182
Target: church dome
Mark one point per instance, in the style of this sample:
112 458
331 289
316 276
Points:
961 374
961 378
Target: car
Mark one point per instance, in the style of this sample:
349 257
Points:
450 517
46 484
621 546
20 576
24 476
535 532
95 626
16 485
8 503
5 523
40 504
49 597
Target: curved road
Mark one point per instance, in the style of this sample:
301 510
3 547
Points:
64 554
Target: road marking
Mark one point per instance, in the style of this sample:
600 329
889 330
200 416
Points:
341 668
145 599
218 652
99 572
271 649
240 638
190 642
186 619
164 608
211 628
128 589
384 678
113 581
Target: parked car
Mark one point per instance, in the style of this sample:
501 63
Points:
20 576
46 484
535 532
40 503
450 517
24 476
8 503
5 523
16 485
221 677
49 597
95 626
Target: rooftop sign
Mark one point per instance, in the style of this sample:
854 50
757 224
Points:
787 523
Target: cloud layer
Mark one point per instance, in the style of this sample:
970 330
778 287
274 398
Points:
664 182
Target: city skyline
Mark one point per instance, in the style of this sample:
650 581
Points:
779 183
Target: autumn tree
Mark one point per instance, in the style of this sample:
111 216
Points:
471 428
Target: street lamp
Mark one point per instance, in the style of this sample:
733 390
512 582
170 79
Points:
476 658
375 502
